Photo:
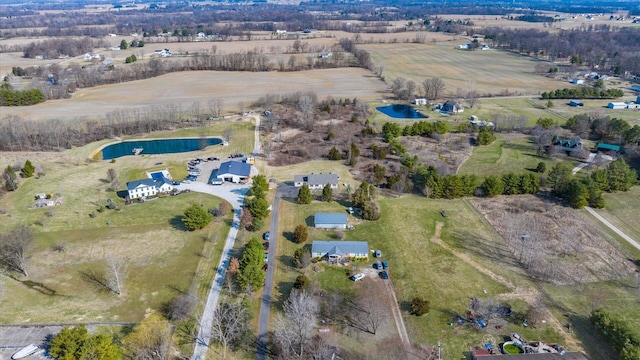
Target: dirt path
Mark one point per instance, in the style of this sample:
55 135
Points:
397 315
530 295
613 227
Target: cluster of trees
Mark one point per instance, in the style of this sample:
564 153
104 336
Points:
54 48
485 136
619 332
130 59
601 127
21 98
257 206
583 93
578 193
10 179
392 130
510 184
18 134
612 49
250 275
363 198
436 186
76 343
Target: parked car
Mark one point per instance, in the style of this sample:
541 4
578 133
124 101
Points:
377 265
385 264
383 274
266 235
266 257
176 183
378 253
265 245
358 276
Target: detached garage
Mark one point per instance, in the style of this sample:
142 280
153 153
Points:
330 220
234 171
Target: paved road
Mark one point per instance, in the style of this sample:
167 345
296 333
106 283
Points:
234 194
613 227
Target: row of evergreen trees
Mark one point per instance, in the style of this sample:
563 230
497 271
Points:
21 98
583 93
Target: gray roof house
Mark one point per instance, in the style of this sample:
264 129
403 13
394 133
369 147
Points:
317 181
330 220
452 107
234 171
335 250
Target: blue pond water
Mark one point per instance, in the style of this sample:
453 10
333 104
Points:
164 146
400 111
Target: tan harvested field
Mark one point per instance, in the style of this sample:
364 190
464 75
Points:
492 71
485 21
187 88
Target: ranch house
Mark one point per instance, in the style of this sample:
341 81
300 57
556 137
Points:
317 181
339 250
234 171
330 220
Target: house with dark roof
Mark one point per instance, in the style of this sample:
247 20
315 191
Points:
339 250
569 145
234 171
452 107
330 220
317 181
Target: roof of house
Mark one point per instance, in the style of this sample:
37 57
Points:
131 185
235 168
339 247
608 147
573 355
160 179
317 179
330 218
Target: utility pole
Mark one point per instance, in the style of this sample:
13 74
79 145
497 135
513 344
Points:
439 358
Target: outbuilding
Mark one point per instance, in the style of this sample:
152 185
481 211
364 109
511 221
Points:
330 220
576 103
617 105
234 171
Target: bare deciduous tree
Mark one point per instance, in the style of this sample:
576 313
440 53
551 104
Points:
182 306
433 88
366 312
227 133
112 174
14 246
116 273
229 324
215 107
294 330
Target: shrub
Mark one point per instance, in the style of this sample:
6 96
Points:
541 168
419 306
302 282
196 217
300 234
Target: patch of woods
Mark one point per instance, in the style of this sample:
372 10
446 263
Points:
583 93
20 98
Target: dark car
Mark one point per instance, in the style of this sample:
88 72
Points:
377 265
383 274
265 245
385 264
176 183
266 236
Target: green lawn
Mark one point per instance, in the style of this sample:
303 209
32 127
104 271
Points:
622 211
503 156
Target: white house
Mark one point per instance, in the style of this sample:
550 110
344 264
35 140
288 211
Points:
115 48
234 171
330 220
148 187
326 55
317 181
90 56
336 250
420 101
162 52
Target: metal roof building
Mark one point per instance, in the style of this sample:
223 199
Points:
334 250
330 220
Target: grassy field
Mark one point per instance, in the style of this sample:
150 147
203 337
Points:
622 211
503 156
286 173
417 266
491 72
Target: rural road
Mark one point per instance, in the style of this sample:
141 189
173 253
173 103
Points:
613 227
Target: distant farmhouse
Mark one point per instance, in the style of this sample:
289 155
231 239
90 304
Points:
317 181
569 145
452 107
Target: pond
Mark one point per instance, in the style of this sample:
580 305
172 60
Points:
162 146
401 111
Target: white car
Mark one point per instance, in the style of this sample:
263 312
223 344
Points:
358 276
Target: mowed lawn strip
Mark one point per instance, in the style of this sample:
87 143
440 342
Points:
622 211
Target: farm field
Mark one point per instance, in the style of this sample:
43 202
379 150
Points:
491 72
186 88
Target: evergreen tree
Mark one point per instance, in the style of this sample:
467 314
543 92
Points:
258 207
334 154
353 154
559 176
251 263
492 186
302 282
576 194
541 168
327 193
300 234
370 211
259 186
28 169
196 217
511 184
123 44
620 176
485 136
10 179
304 195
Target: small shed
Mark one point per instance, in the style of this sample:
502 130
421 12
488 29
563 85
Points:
577 81
608 147
420 101
576 103
330 220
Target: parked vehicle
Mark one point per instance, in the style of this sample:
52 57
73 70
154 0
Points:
265 245
377 265
358 276
25 351
266 257
385 264
266 235
383 274
378 253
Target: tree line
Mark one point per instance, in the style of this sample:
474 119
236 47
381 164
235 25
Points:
583 93
600 127
21 98
619 333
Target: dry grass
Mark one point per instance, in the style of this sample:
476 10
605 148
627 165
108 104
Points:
492 71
